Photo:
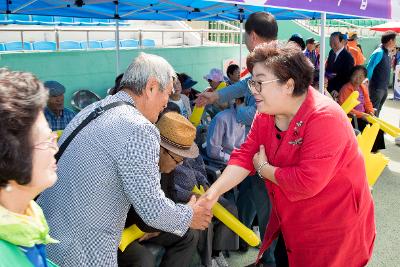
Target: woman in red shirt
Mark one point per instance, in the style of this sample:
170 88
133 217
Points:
302 144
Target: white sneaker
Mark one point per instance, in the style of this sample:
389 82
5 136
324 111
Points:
213 263
221 261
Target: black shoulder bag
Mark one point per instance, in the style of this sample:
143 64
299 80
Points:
97 112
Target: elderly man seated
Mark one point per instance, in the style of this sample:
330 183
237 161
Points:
56 114
177 142
225 133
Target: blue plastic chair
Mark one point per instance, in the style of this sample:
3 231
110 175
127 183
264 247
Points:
44 46
85 22
4 20
17 46
21 19
103 22
92 45
65 21
2 47
129 43
44 20
108 44
70 45
148 43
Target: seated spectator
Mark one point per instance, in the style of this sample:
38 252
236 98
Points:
56 114
298 39
216 81
176 132
187 84
113 90
181 100
233 73
358 75
225 133
27 168
217 237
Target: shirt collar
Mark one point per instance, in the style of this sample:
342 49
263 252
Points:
339 51
53 114
124 96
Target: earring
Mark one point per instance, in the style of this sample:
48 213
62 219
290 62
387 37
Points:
8 188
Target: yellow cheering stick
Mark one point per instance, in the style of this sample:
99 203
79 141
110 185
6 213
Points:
129 235
386 127
231 221
374 163
59 133
197 113
350 102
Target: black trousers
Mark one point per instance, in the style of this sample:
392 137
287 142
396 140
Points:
378 98
179 251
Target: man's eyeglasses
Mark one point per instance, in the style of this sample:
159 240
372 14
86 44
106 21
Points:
257 86
176 160
51 143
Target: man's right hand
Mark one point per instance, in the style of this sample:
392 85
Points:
201 215
206 98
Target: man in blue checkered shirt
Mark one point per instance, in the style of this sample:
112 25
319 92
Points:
111 165
56 114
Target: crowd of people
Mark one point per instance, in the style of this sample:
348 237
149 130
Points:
134 157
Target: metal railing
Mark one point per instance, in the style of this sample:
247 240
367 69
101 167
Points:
59 30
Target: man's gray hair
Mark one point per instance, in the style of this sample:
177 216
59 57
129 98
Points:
143 68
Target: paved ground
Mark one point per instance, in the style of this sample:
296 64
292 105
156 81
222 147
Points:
386 194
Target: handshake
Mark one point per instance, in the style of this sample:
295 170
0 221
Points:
202 213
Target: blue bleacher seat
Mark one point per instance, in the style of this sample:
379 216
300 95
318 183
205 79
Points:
92 45
4 20
108 44
21 19
129 43
2 47
16 46
44 45
103 22
65 21
148 43
44 20
70 45
85 22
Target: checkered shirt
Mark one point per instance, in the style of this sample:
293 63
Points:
61 122
111 163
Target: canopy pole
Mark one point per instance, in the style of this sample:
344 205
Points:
117 38
322 54
241 45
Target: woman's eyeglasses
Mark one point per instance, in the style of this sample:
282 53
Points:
257 86
50 143
177 161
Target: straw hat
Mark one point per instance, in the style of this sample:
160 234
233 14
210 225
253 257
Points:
177 135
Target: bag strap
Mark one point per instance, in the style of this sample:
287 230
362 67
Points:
96 113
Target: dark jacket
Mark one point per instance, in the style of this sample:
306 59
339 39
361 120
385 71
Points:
341 67
168 186
379 69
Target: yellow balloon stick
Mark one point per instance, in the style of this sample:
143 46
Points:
129 235
386 127
350 102
197 113
374 166
231 221
59 133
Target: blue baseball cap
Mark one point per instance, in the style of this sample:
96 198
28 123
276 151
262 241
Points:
55 88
